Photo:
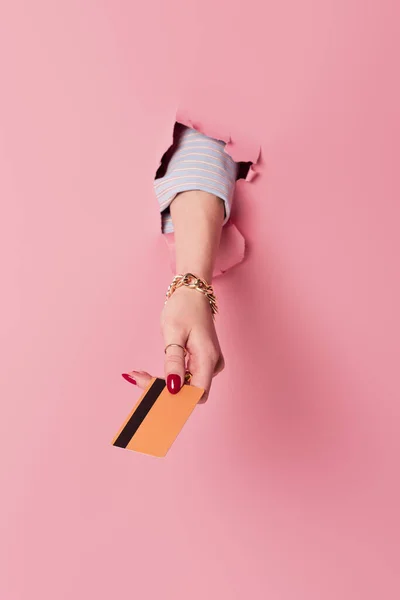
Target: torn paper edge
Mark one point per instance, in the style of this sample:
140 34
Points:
231 250
239 151
232 244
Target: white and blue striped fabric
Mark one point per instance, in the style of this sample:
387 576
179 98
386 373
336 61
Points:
198 162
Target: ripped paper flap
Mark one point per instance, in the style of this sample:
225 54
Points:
231 250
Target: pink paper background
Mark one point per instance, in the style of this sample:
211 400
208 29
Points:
285 486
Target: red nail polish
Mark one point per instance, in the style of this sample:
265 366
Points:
173 383
128 378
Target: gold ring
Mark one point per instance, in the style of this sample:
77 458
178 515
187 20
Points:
179 346
188 376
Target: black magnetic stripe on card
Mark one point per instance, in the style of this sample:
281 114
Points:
140 414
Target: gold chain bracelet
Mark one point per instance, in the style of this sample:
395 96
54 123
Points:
191 281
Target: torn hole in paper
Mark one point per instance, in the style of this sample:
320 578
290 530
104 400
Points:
242 164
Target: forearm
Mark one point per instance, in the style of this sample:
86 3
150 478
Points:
197 218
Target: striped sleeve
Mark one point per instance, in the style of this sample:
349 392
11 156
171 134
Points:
197 163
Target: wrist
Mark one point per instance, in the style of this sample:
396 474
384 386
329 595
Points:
192 282
199 270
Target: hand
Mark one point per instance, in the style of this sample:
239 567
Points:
186 319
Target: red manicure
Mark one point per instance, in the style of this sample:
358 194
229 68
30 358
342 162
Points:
173 383
128 378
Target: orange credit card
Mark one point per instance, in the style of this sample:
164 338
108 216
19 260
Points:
158 417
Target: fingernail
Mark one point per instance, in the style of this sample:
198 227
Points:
128 378
173 383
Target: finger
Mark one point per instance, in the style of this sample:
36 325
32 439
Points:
174 367
220 366
202 378
202 369
139 378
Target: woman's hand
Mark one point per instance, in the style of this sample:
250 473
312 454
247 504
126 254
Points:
187 320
